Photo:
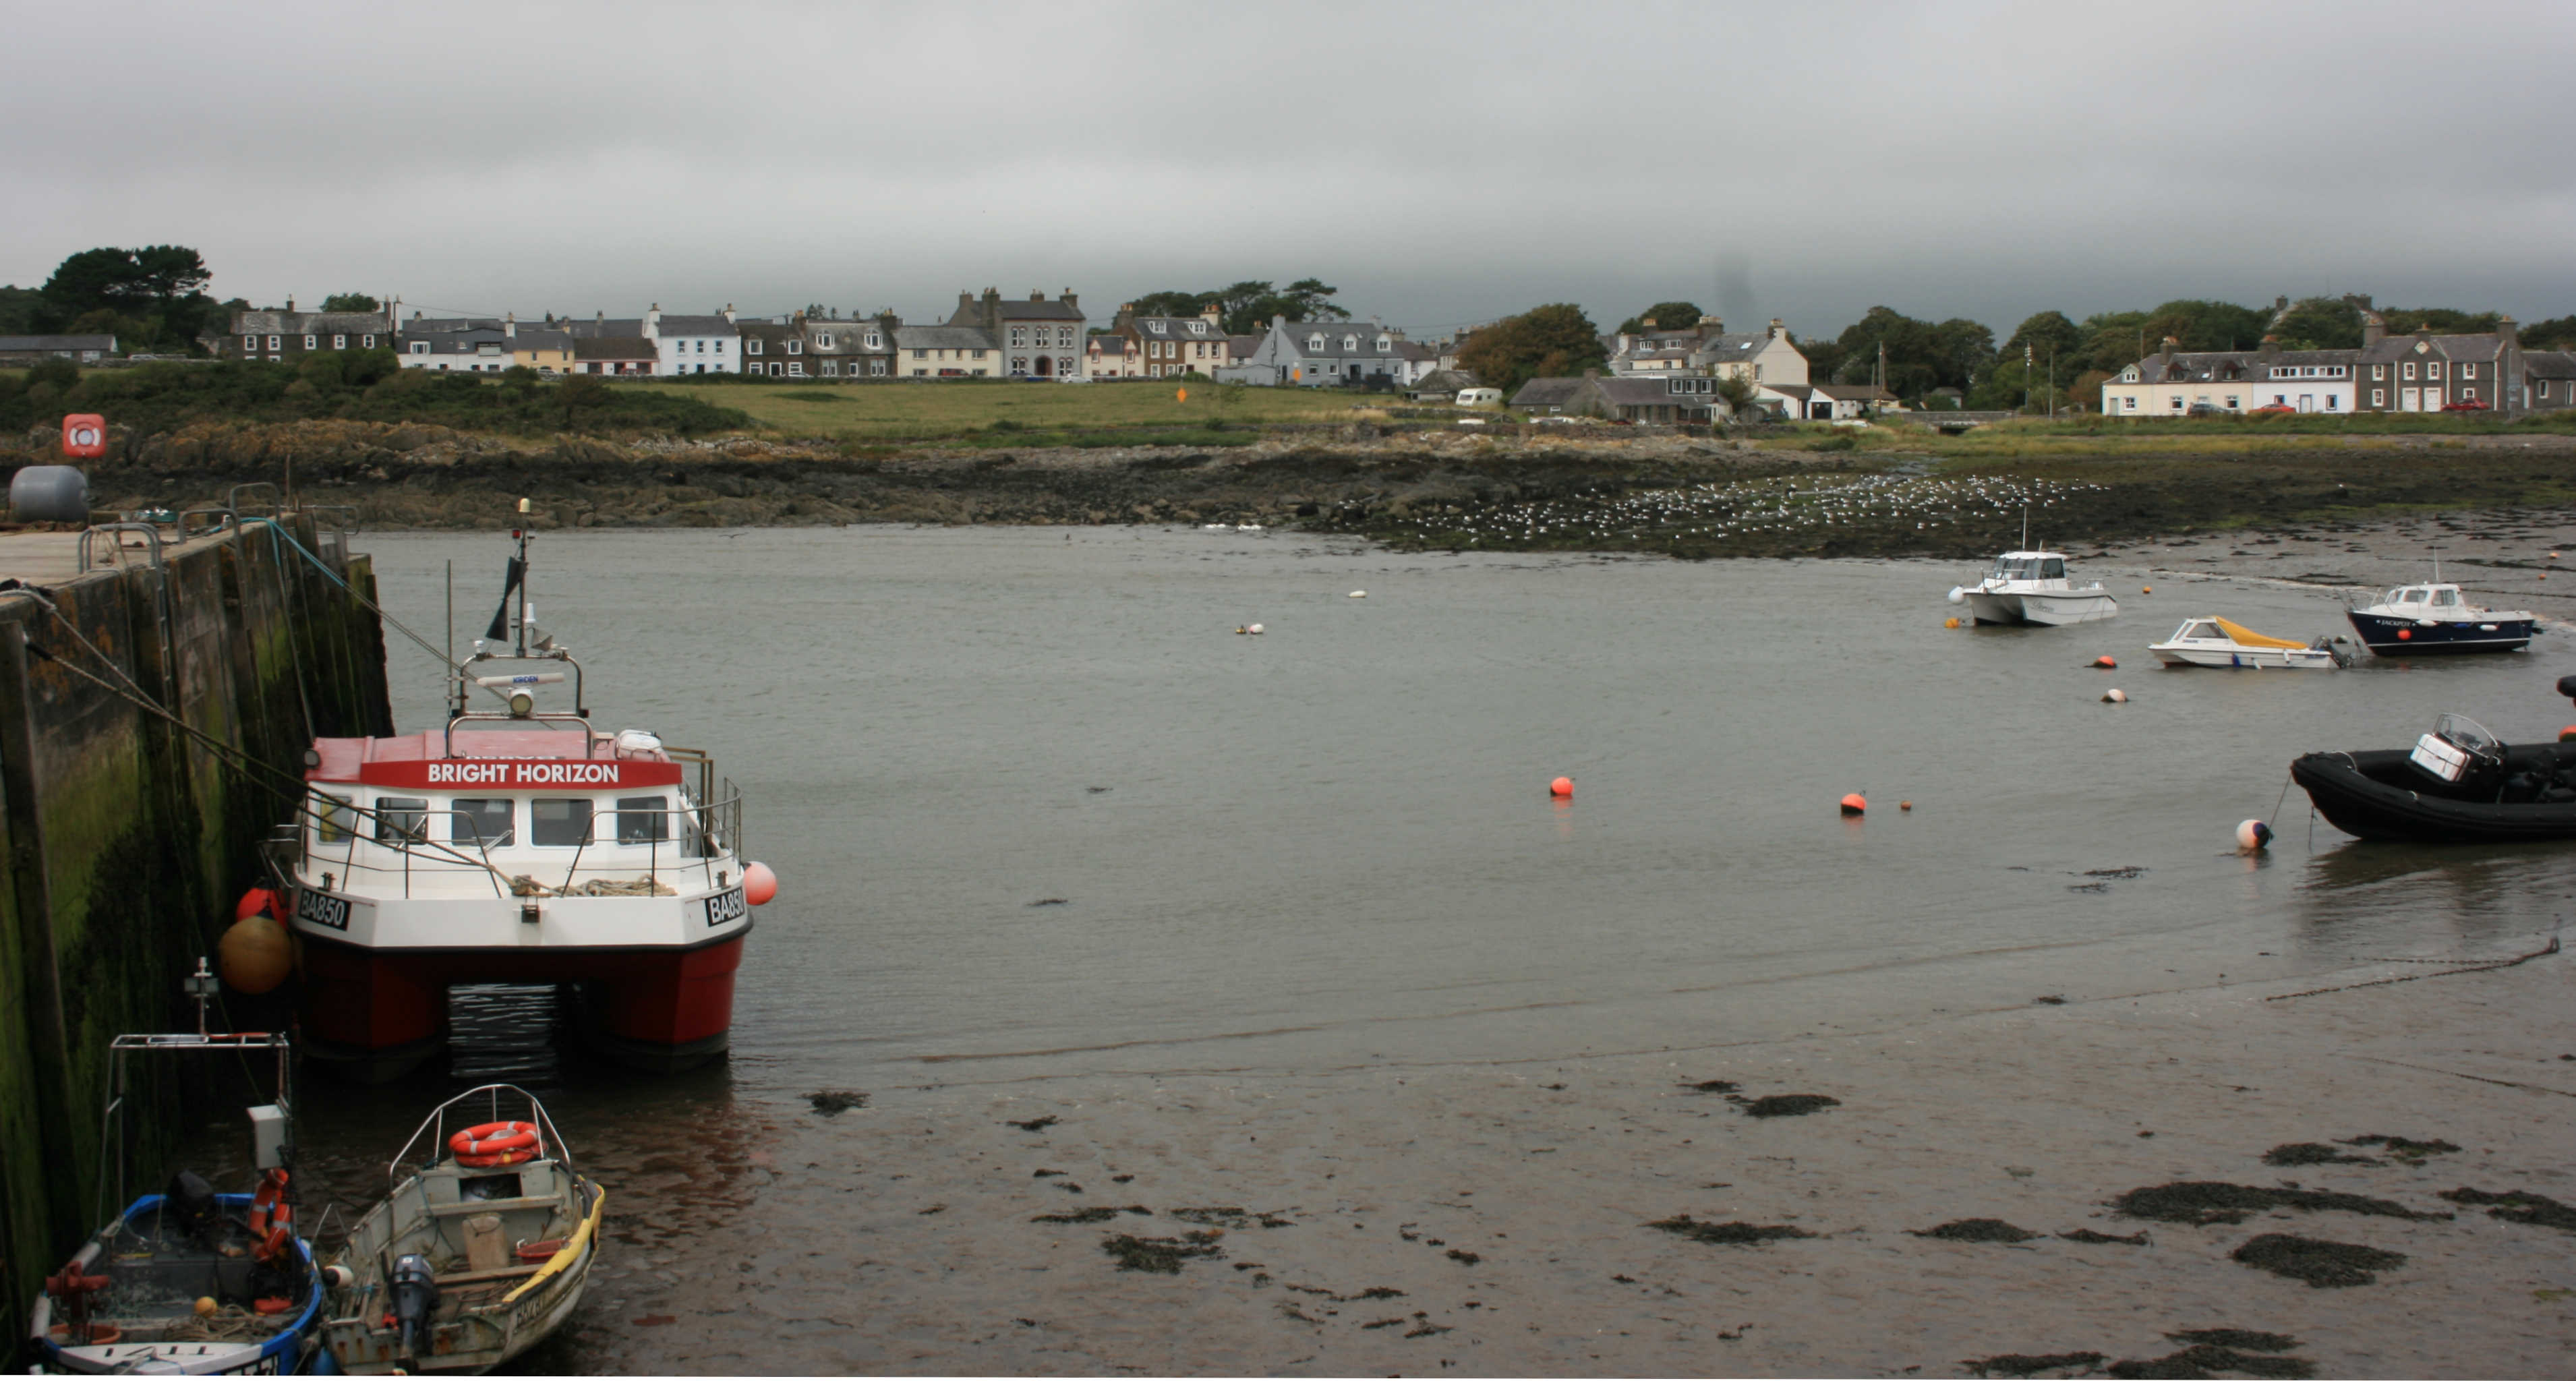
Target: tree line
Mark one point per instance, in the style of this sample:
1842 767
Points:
1958 363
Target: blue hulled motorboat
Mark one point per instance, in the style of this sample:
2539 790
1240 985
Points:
2417 620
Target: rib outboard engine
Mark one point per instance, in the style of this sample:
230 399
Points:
190 1202
415 1298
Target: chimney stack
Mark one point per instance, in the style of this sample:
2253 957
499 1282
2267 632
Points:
728 312
290 302
2374 328
509 326
2511 331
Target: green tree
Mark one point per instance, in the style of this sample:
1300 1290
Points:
1737 391
2319 323
2201 324
580 394
1921 355
351 302
2112 341
158 288
1171 303
1553 341
2557 333
2441 321
20 310
2046 333
1666 316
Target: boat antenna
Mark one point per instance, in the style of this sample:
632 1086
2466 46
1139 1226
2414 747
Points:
2025 527
2437 565
522 535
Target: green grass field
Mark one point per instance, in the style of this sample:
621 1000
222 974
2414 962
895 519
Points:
1023 413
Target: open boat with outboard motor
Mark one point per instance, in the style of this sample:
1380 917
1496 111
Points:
2435 618
189 1281
478 1253
2459 784
517 844
2210 641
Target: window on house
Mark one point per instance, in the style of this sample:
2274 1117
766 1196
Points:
2408 371
831 369
2379 371
1315 345
1154 326
2177 402
2469 393
795 347
312 342
250 343
873 340
796 370
719 347
823 341
339 342
2330 402
979 354
920 355
1198 328
2468 371
368 342
276 343
2231 402
751 346
420 347
2432 369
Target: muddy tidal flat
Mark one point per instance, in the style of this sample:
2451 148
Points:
1956 1208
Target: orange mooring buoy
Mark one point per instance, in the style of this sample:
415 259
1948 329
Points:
2568 734
1855 803
1562 787
2106 663
1905 805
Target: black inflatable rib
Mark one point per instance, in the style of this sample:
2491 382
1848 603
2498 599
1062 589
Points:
2380 795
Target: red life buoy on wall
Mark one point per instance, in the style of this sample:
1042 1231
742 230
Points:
494 1144
84 435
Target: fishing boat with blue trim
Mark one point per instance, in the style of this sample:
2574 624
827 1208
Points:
189 1282
2436 618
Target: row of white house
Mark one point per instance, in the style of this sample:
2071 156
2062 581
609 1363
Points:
2423 372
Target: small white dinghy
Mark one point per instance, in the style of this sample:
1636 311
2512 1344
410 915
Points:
2210 641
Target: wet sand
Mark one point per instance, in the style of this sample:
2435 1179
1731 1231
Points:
2502 559
1496 1218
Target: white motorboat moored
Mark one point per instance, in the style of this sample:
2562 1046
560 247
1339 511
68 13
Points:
2210 641
2033 587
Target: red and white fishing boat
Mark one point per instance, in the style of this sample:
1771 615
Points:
518 844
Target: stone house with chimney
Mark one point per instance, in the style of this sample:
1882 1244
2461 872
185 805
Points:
280 336
2424 372
850 348
770 347
1037 339
1171 346
1109 355
1317 354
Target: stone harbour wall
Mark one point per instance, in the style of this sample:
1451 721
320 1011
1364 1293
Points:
126 841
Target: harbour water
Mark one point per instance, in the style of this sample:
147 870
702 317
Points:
1043 821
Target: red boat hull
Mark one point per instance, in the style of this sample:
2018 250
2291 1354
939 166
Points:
376 1014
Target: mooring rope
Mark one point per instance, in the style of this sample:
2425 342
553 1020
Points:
2543 951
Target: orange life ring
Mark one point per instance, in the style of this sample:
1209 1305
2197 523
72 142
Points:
493 1138
497 1159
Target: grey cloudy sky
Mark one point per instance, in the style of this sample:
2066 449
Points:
1441 164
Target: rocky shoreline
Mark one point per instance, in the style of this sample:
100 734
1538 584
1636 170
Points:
1517 489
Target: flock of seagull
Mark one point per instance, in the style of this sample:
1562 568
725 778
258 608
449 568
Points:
1768 512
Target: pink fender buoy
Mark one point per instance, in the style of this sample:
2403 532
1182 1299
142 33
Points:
1855 803
1562 788
759 885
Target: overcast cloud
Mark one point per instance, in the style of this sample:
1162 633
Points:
1441 165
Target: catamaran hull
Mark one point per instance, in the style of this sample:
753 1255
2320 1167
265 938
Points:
373 1015
2398 637
2044 609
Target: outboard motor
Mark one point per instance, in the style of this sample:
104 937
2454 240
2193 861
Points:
415 1298
190 1202
2567 686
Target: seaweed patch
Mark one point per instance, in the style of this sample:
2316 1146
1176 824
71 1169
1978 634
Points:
833 1102
2030 1364
2204 1202
1975 1230
2323 1265
1161 1255
1786 1104
1231 1216
2313 1153
1725 1234
2135 1239
2412 1152
2518 1206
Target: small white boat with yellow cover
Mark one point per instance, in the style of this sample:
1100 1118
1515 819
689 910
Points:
476 1256
2210 641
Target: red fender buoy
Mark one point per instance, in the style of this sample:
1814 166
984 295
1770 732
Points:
1855 803
1562 787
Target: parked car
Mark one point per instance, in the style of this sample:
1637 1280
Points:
2272 410
2466 405
2205 410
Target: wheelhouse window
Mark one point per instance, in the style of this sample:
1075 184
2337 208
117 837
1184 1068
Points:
2201 630
334 819
489 821
643 819
402 819
559 821
2445 598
